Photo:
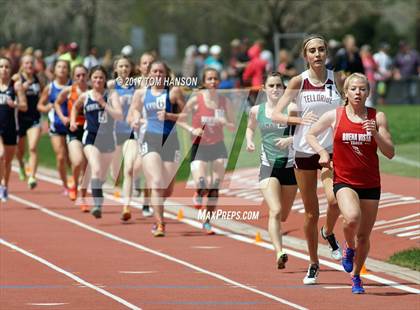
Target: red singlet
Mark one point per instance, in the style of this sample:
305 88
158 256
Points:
355 152
206 118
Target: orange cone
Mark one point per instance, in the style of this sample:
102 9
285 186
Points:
180 214
258 237
364 270
28 170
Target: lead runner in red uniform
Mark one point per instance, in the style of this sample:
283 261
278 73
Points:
358 132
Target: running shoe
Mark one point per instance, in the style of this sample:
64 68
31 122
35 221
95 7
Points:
282 258
5 195
1 192
22 174
158 230
96 212
32 183
73 193
207 228
126 214
334 245
357 287
84 207
347 260
147 211
311 275
197 201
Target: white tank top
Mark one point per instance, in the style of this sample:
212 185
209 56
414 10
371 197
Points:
318 99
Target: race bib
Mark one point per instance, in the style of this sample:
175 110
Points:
102 117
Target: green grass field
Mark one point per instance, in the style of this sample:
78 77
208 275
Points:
408 258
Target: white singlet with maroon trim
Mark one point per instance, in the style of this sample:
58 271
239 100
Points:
318 99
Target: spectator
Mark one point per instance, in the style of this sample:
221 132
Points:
407 69
40 67
370 68
127 51
286 67
227 80
91 60
189 64
72 55
106 62
51 59
384 72
348 58
255 69
267 56
213 61
238 60
203 51
333 46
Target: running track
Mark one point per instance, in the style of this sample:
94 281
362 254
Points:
54 257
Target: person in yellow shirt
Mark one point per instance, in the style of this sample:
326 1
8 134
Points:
72 55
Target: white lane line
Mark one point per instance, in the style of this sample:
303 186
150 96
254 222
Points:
406 161
414 238
398 230
305 257
137 272
69 274
151 251
396 224
47 304
383 222
410 233
348 287
393 204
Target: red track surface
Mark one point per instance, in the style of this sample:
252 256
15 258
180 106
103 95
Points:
164 283
382 245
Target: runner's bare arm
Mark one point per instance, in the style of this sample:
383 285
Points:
75 110
113 107
21 103
188 109
229 117
177 97
136 107
382 136
325 121
250 129
43 106
62 96
289 95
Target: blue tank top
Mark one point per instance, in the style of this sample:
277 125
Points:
126 95
55 121
153 104
32 96
7 114
97 119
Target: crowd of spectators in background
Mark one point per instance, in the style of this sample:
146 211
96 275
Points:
245 64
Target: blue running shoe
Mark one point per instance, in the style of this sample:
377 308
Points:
357 287
1 192
207 228
5 195
347 260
